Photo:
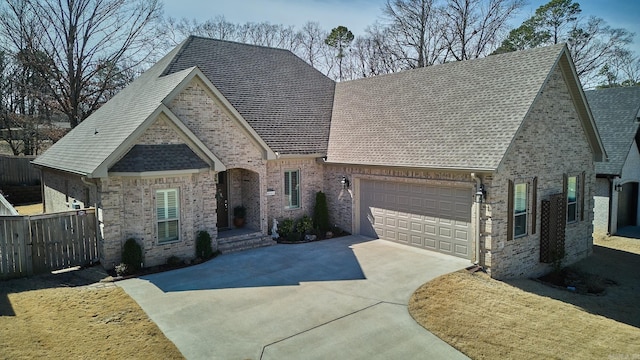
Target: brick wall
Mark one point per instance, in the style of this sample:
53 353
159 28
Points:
128 207
206 117
129 210
61 189
550 143
311 181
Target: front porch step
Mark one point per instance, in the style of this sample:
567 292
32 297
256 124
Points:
243 242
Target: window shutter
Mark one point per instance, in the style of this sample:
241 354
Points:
534 204
582 187
510 211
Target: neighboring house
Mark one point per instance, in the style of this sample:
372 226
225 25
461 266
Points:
617 115
216 124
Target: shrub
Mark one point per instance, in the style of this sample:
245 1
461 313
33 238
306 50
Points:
305 225
239 212
173 260
132 255
294 236
203 245
286 227
321 212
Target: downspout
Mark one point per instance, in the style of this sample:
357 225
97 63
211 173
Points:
611 190
91 184
478 197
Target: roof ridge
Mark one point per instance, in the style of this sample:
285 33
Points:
239 43
457 63
181 49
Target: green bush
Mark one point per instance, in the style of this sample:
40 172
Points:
294 236
286 227
132 255
203 245
321 212
305 225
173 260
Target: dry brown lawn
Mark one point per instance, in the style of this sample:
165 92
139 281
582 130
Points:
524 319
32 209
44 317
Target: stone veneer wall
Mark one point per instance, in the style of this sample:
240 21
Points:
206 117
550 143
311 181
60 189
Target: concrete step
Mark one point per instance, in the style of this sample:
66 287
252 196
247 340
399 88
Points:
244 242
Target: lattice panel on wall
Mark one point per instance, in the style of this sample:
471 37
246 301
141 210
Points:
553 220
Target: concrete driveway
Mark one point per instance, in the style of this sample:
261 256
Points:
343 298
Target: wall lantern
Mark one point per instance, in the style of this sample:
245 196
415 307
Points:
345 182
618 187
480 194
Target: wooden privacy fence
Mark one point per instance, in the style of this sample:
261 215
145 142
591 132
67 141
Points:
38 244
18 170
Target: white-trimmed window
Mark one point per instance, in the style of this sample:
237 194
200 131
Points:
292 189
572 198
168 215
520 206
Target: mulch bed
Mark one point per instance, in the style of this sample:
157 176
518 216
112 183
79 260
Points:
577 281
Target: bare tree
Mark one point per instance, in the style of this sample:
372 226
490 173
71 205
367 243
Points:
25 111
375 53
474 28
311 42
595 44
416 27
80 37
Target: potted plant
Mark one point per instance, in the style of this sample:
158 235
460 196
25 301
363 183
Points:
239 213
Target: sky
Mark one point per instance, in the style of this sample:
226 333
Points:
358 14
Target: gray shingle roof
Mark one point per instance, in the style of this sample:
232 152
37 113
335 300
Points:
457 115
90 143
143 158
286 101
615 112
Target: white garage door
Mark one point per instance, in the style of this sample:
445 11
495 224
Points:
431 217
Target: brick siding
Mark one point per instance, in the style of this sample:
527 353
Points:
550 143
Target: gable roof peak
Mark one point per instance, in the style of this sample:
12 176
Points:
460 115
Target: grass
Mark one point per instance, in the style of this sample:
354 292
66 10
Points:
41 319
32 209
524 319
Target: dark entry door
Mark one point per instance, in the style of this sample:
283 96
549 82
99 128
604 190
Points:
223 201
628 205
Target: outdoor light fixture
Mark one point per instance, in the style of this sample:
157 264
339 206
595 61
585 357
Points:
344 182
618 188
480 194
